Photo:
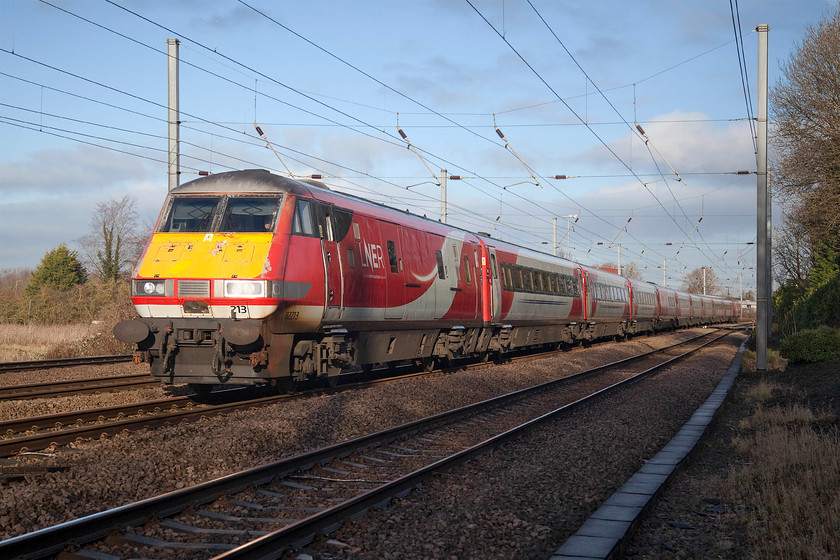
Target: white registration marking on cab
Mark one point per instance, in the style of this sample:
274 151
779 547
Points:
208 237
239 311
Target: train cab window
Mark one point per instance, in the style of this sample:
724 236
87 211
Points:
191 214
441 269
250 214
392 257
302 224
467 275
323 220
341 222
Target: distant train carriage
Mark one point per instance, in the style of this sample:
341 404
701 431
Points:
645 311
607 303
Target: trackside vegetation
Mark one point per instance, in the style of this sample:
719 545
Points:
39 320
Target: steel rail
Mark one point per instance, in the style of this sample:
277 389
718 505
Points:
50 540
75 386
64 362
11 446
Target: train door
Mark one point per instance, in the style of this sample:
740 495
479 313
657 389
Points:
585 294
495 286
395 284
447 284
334 298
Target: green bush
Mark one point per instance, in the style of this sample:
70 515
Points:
823 306
814 345
60 269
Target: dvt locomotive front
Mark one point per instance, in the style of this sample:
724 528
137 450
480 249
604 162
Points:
211 279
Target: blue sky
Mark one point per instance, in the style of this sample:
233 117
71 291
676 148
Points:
83 118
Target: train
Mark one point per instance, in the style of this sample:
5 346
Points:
252 278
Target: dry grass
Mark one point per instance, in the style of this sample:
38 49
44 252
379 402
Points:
762 391
36 342
774 361
789 483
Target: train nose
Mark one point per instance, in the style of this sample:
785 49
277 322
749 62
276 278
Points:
131 332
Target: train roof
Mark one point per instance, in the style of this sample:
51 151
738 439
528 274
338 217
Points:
247 181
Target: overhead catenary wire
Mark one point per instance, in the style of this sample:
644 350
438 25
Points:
307 156
638 128
112 2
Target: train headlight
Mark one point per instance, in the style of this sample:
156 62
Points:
155 288
245 288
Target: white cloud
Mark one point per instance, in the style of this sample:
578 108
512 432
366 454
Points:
77 170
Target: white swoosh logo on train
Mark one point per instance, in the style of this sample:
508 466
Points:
428 277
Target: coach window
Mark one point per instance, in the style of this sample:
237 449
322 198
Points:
467 275
441 270
518 282
351 257
529 280
302 223
392 257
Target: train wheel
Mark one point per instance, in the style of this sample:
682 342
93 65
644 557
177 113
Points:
426 364
288 385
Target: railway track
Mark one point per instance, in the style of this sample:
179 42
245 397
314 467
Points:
64 362
68 387
41 432
287 503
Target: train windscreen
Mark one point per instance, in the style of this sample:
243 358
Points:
236 214
191 214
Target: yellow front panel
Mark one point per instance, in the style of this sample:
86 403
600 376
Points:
206 255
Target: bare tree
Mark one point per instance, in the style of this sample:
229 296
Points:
632 270
792 255
702 280
629 270
806 138
114 243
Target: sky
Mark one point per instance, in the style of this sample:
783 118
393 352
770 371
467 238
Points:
506 94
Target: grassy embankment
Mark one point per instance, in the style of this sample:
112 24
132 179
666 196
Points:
788 468
38 342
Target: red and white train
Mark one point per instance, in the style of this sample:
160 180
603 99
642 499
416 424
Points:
254 278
